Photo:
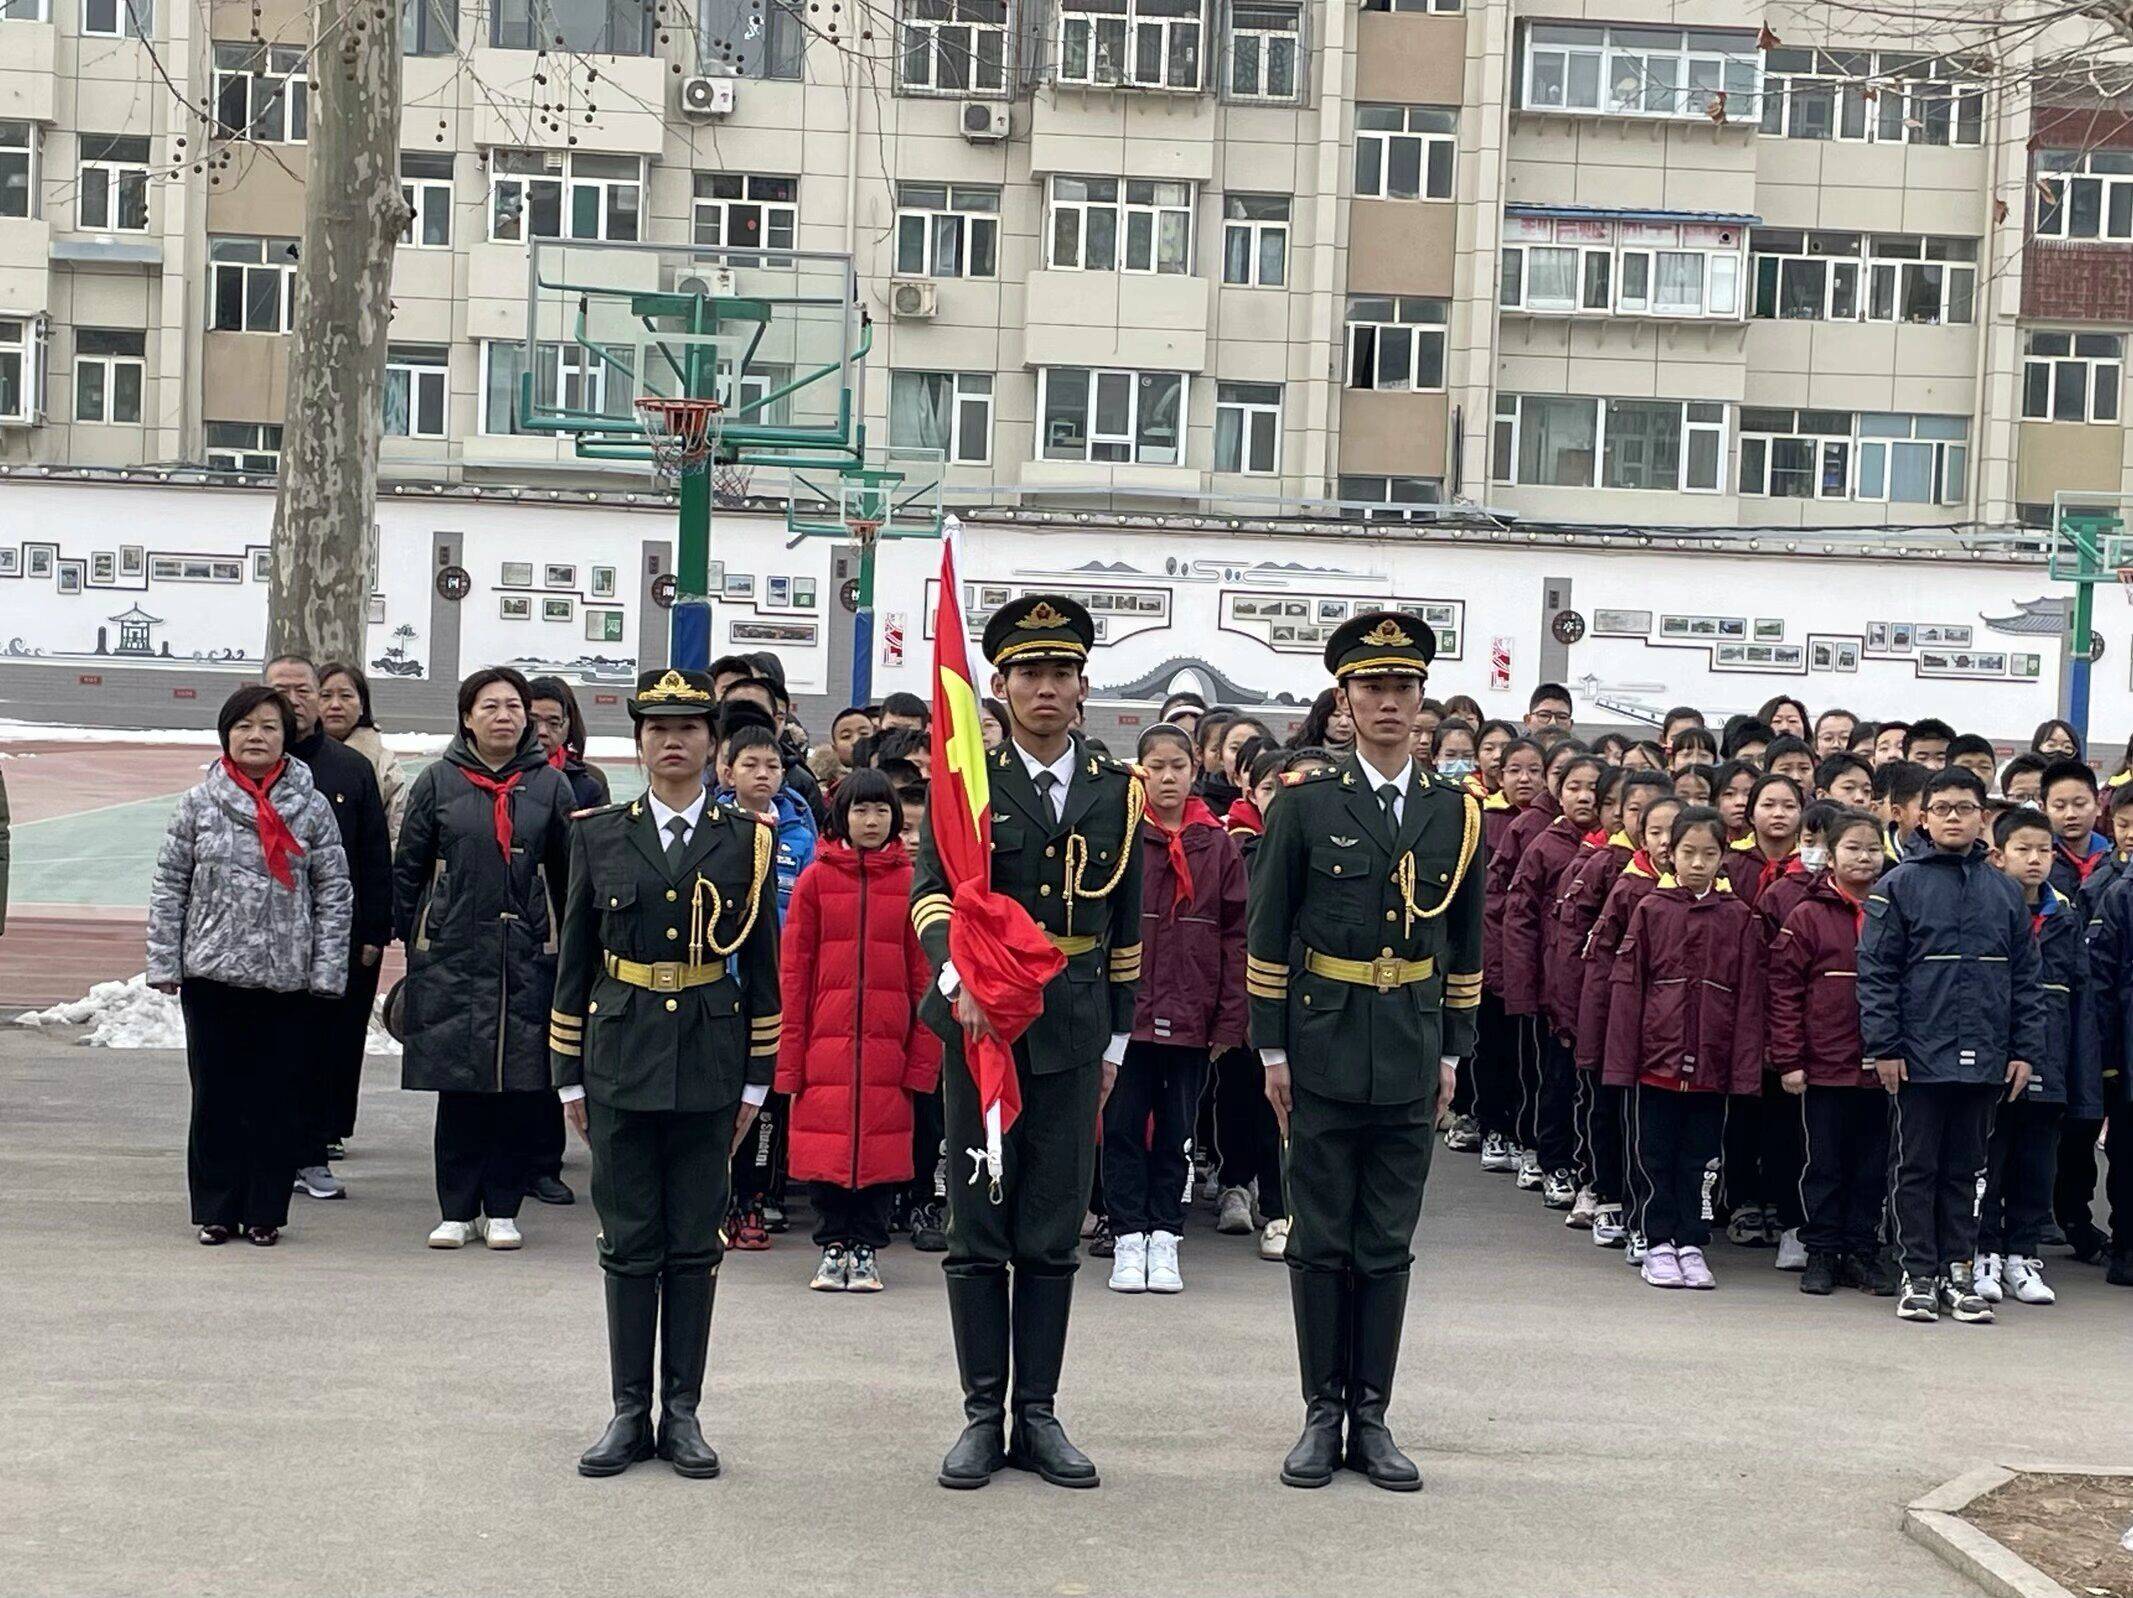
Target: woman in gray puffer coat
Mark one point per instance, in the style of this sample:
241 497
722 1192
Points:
248 915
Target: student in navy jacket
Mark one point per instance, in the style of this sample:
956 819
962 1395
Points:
2108 1025
1951 1015
2074 1189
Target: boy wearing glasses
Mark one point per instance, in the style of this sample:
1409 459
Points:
1951 1013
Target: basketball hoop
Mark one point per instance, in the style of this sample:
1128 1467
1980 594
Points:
863 532
683 433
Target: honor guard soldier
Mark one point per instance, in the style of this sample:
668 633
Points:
664 1039
1066 846
1363 966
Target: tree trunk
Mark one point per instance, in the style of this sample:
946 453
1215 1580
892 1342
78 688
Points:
324 538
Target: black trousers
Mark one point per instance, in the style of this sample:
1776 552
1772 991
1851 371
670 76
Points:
1356 1174
240 1152
1555 1114
1938 1151
1603 1159
1495 1068
1844 1181
2074 1185
1143 1169
926 1150
1247 1138
1676 1134
851 1215
759 1163
659 1185
2021 1158
1526 1047
335 1082
486 1144
1763 1153
2118 1180
1049 1156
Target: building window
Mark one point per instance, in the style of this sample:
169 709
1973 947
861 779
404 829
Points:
1396 344
947 411
1912 460
2071 377
414 390
21 370
1640 72
947 231
1571 266
1816 277
550 194
1865 97
1255 240
426 185
1094 231
1141 44
243 447
22 11
1563 441
429 27
1248 428
1796 454
118 19
260 93
1928 281
18 169
1442 8
953 47
751 38
109 374
746 211
1404 152
252 285
1390 499
574 27
566 377
2085 196
113 197
1089 415
1265 52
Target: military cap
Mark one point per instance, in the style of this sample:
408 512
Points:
1038 627
663 691
1381 643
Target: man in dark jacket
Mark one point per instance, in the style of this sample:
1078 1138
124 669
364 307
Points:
351 787
2108 1015
1951 1014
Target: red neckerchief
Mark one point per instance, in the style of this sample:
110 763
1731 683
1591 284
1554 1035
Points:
276 841
2081 867
1597 837
1772 869
1243 816
499 791
1643 862
1196 815
557 755
1858 906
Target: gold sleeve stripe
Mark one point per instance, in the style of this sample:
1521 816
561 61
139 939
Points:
1262 990
1126 951
562 1045
767 1023
1470 1003
763 1048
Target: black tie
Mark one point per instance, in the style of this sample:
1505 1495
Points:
1046 781
1389 797
677 832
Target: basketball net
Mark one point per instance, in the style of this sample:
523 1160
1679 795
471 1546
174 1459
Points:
683 434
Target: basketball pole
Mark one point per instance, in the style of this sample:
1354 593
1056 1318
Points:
863 620
689 628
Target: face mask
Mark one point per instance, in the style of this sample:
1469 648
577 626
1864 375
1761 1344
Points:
1454 768
1813 856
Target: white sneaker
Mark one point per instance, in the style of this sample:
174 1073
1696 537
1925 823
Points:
452 1234
319 1182
2025 1279
1985 1277
1607 1228
1462 1135
1163 1274
1558 1191
1582 1210
1497 1153
1235 1215
1129 1264
1274 1241
499 1231
1633 1248
1529 1170
1792 1253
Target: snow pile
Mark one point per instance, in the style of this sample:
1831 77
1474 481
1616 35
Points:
132 1015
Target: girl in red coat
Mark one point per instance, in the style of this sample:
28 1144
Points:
1518 772
853 1053
1762 1163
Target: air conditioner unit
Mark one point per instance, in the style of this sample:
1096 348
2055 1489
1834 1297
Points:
703 97
914 301
985 122
713 282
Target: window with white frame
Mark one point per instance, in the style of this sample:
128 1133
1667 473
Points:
952 47
22 11
1085 414
1581 265
1795 454
746 210
1706 74
1398 499
261 94
19 150
251 285
110 374
112 196
1865 96
1817 276
243 446
414 390
1405 152
947 230
1265 55
1911 460
2071 377
1248 428
2085 195
21 369
1442 8
1396 343
572 27
566 377
118 19
1920 280
555 194
947 411
1140 44
749 38
426 185
1806 276
1569 441
1255 240
1120 225
429 27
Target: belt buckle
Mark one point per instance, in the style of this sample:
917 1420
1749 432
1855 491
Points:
1385 972
666 976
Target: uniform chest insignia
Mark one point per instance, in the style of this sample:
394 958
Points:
1344 843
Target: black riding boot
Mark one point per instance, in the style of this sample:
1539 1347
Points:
977 1311
1041 1304
1319 1302
632 1326
1380 1311
684 1345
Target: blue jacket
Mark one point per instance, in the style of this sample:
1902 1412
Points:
2108 1015
1948 970
2106 873
2062 965
796 839
2066 875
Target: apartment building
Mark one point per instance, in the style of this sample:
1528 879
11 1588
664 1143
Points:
1636 261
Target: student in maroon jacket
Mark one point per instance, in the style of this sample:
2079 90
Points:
1762 1158
1522 785
1759 859
1812 1020
1682 1036
1532 890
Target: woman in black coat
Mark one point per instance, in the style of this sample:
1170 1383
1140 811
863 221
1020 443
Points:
482 862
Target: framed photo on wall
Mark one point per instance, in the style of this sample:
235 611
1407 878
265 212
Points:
603 626
133 560
559 576
517 574
515 607
70 576
603 582
558 609
103 567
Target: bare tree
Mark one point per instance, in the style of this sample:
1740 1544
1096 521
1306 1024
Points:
354 213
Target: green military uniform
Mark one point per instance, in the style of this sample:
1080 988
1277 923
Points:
1363 966
1074 865
666 1008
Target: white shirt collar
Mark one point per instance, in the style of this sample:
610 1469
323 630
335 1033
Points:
662 812
1062 768
1377 779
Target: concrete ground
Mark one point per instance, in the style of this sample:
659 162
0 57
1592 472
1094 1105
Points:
353 1414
